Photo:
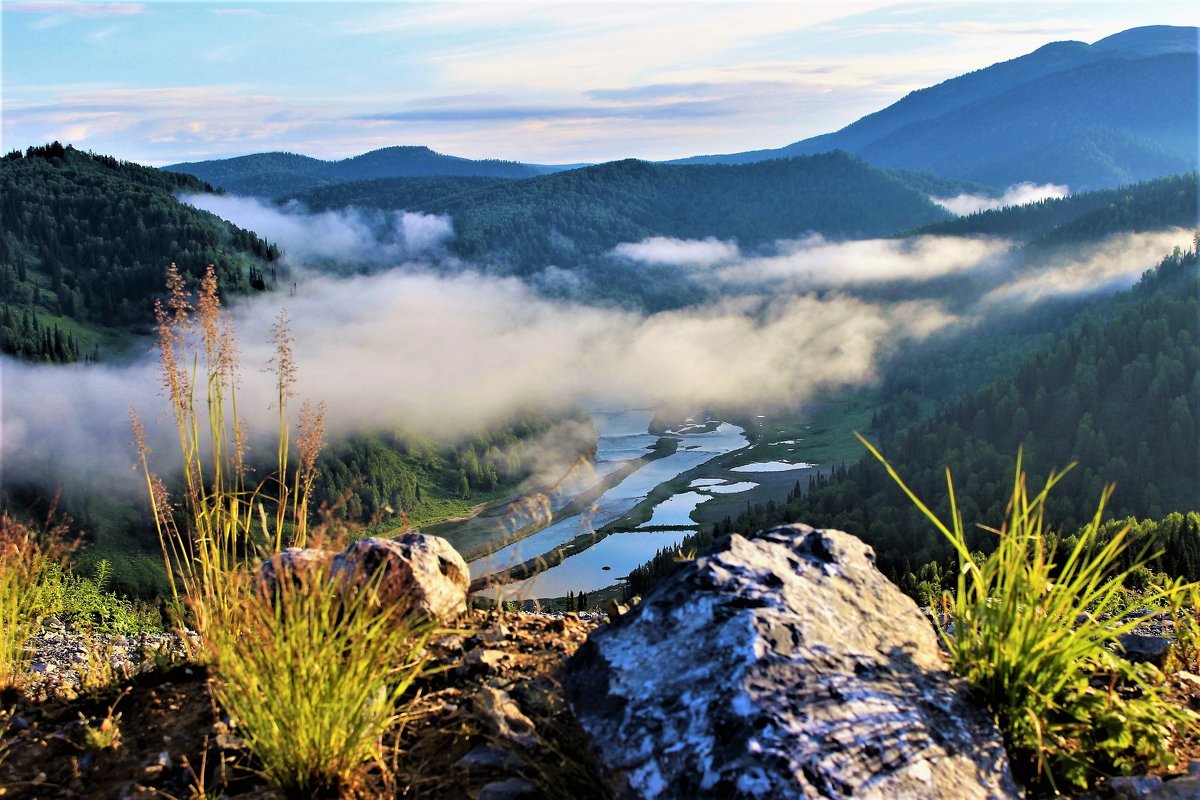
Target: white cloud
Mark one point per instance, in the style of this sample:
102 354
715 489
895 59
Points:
1114 264
1016 195
679 252
446 355
347 235
816 263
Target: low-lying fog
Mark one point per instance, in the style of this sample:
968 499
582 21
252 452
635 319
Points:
439 353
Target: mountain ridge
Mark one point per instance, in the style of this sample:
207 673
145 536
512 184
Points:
1169 83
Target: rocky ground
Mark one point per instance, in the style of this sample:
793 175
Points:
494 726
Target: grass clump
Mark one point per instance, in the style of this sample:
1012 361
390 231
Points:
312 673
314 679
1033 631
29 563
87 603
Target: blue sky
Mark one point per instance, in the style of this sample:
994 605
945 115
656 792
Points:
560 82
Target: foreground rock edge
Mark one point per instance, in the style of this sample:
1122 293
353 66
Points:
783 665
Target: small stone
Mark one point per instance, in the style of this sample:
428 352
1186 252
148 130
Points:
510 789
486 661
228 741
505 717
1138 648
54 624
1139 788
491 758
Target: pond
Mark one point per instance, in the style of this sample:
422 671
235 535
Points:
773 466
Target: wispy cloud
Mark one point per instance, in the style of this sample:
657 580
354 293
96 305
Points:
680 110
815 263
679 252
348 235
65 8
1016 195
1113 264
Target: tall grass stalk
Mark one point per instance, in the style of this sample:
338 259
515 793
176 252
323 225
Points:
1032 631
311 670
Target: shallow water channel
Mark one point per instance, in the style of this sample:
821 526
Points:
622 437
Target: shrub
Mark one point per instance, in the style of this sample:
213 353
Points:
1069 709
87 603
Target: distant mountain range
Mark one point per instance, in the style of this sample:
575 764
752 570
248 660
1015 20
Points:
1118 111
274 174
1091 116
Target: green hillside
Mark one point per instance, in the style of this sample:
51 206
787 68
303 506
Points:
1118 391
85 247
579 215
390 193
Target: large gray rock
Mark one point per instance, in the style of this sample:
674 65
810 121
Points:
783 666
416 574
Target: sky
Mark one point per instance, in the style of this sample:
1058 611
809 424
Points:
551 83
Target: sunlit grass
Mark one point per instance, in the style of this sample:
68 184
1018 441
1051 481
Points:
310 668
312 677
29 573
1033 630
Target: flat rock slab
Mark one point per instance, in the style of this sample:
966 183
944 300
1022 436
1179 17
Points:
783 666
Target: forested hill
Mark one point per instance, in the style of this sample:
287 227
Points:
86 243
1118 391
1120 110
570 216
275 174
1152 205
390 193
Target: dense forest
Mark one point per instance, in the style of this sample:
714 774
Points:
572 216
1118 391
86 243
389 193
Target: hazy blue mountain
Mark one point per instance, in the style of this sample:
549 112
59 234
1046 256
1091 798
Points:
1120 110
276 174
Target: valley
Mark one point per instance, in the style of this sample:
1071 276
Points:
585 375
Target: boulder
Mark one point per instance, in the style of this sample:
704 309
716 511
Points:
417 574
782 666
294 564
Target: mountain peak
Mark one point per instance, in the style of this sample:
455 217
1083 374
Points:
1151 40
